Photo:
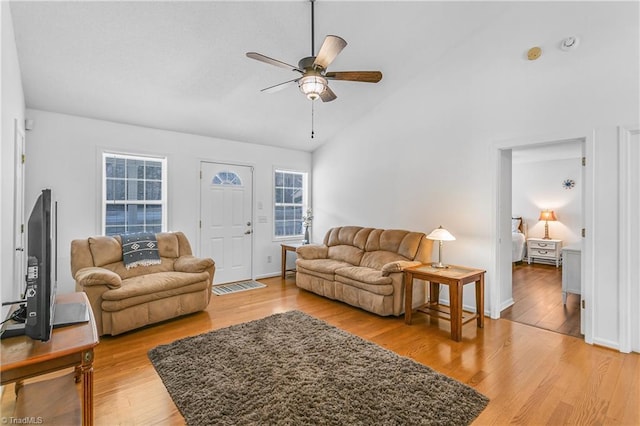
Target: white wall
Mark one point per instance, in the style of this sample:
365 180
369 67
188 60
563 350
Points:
64 154
538 185
12 110
425 157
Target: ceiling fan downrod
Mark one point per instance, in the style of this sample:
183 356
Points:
313 49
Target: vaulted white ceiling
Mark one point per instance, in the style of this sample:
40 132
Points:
181 65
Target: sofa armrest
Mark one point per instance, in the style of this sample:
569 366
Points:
312 251
95 275
191 263
398 266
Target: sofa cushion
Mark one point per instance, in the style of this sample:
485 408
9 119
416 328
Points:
404 243
300 271
398 266
380 289
324 266
312 251
365 275
377 259
345 253
350 235
153 284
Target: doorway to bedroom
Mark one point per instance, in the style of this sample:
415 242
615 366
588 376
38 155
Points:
547 182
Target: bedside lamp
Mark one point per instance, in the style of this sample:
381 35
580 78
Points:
440 234
547 215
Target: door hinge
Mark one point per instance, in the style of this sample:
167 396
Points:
584 304
200 224
200 174
584 232
22 228
24 158
584 161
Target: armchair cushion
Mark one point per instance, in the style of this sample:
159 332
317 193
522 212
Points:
192 264
97 276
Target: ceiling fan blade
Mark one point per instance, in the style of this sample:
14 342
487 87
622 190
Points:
363 76
279 86
327 95
331 46
260 57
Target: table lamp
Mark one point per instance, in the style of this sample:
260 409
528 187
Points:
440 234
547 215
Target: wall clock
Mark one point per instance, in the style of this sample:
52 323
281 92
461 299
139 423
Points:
568 183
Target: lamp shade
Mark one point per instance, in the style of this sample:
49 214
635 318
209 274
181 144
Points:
547 215
441 234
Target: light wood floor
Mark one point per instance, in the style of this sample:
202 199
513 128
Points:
532 376
537 291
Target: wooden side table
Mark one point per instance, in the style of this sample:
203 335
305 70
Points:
455 277
69 347
285 248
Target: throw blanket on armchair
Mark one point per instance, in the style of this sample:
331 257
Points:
140 249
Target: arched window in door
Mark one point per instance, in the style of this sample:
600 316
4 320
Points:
227 178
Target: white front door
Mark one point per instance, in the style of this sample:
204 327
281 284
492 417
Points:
226 193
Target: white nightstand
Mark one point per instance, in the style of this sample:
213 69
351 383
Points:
544 250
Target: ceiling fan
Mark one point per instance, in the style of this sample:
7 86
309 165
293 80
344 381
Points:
314 79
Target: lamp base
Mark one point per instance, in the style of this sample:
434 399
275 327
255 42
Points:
439 265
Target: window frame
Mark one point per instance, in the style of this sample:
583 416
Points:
163 203
304 205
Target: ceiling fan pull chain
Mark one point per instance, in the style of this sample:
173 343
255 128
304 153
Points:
312 118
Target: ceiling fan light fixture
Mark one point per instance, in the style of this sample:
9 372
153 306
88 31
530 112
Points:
312 86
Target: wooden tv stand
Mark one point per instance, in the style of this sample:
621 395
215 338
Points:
69 347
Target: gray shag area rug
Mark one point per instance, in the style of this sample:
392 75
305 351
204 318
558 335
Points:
293 369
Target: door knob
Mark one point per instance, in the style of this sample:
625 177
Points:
249 223
247 232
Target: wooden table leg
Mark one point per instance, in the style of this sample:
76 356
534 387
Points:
19 384
434 292
480 301
408 297
284 262
455 309
87 387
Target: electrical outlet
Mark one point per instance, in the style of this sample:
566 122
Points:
269 259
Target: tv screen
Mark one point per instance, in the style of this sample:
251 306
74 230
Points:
40 290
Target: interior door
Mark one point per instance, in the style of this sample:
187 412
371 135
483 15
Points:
226 193
18 213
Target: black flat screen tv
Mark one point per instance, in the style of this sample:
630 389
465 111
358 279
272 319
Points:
41 281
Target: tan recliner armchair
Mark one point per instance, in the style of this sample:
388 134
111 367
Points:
124 299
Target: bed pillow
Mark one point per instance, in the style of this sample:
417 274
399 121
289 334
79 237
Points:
515 225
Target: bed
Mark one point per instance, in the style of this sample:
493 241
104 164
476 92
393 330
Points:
519 239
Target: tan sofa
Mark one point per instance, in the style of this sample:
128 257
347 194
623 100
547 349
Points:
124 299
363 267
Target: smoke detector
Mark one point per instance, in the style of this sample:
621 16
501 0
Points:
569 43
